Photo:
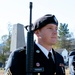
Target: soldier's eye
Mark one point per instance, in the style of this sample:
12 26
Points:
49 28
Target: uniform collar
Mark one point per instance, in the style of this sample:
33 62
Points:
44 50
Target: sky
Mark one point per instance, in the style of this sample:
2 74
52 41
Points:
17 11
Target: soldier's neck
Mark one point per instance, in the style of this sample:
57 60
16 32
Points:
48 47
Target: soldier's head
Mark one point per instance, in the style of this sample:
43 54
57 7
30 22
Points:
45 29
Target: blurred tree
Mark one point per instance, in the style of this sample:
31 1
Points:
64 37
6 39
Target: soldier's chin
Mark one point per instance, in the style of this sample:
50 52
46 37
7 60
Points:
53 43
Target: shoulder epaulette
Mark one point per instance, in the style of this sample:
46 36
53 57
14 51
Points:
21 49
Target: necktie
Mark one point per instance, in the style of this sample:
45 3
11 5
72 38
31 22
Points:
50 57
52 64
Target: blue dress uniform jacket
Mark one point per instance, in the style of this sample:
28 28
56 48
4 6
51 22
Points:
16 64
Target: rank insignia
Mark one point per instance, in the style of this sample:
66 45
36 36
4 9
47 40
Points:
37 51
37 64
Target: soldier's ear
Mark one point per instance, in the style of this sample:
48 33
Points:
37 33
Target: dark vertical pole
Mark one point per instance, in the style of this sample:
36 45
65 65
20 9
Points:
30 16
30 47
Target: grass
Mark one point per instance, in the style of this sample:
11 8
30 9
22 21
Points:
1 71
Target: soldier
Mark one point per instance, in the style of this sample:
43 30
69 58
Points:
72 62
45 29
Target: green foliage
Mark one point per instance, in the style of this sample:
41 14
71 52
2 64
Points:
3 58
63 31
63 37
6 48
